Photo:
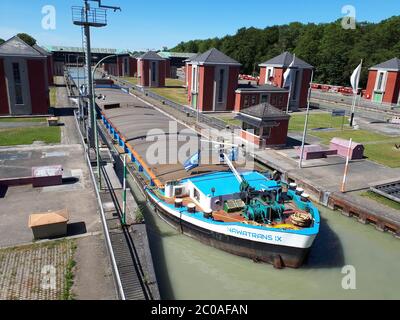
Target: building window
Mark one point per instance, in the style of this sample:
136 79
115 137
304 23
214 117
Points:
273 100
266 132
251 129
269 74
246 101
253 100
280 99
194 79
17 84
379 86
265 98
126 65
221 85
294 86
153 71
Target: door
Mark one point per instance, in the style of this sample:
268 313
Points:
378 97
153 74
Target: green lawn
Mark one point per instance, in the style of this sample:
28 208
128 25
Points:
378 147
384 153
132 80
382 200
53 96
174 82
21 119
17 136
316 120
230 120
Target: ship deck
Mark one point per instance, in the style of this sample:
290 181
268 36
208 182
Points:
145 128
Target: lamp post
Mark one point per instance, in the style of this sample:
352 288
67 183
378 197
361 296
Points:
94 115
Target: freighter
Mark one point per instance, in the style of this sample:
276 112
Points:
244 212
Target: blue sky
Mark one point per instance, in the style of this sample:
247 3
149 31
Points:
155 23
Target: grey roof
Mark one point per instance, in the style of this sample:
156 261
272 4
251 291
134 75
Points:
214 56
265 111
193 57
17 47
168 54
392 64
255 88
42 50
150 55
284 60
80 49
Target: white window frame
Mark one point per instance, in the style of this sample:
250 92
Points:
194 79
384 79
269 72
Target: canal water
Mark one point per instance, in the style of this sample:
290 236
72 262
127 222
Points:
187 269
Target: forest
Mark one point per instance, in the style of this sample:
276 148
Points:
334 51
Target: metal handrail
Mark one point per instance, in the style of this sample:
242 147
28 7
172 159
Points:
103 217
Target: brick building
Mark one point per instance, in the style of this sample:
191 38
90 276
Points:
24 83
384 82
151 70
272 72
248 95
264 125
212 81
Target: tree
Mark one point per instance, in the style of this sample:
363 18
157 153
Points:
27 38
332 50
2 41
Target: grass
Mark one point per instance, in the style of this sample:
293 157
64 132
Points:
378 147
21 119
53 96
230 120
381 199
18 136
361 136
384 153
132 80
69 276
174 82
316 120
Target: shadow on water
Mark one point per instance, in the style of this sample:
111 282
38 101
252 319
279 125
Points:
327 250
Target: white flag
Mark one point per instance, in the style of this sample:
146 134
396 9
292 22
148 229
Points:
288 75
355 78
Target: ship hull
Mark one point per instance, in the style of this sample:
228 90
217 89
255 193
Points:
279 256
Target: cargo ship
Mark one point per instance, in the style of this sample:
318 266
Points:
249 215
244 212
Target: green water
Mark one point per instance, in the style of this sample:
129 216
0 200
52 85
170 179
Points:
187 269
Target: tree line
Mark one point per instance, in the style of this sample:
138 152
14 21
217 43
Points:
334 51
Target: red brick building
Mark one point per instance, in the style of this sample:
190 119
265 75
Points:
212 79
248 95
384 82
151 70
50 63
24 84
127 65
272 72
264 125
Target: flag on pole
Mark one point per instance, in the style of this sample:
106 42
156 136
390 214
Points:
355 78
288 75
192 162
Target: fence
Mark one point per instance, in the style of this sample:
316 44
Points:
203 118
338 98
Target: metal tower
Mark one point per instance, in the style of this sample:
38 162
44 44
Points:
87 17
